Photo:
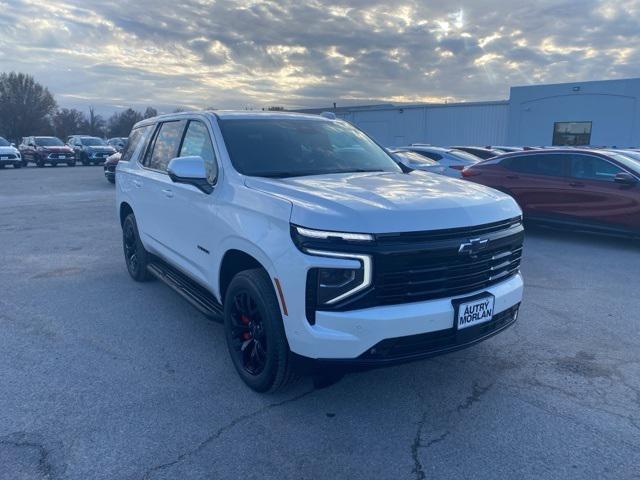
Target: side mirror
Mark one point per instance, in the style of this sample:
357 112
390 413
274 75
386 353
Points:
190 170
625 178
13 145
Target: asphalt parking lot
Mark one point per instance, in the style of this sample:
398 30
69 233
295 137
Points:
104 378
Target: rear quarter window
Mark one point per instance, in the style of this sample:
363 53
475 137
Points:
137 138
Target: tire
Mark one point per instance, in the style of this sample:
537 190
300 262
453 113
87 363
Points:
39 163
135 256
255 333
17 165
85 160
111 179
1 166
54 164
71 163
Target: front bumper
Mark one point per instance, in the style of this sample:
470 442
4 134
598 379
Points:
375 335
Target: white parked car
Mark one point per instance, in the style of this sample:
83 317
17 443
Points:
453 161
417 162
9 154
312 244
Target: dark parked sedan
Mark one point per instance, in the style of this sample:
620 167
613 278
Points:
480 152
110 167
587 189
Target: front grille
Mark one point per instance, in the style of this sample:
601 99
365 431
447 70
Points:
8 156
59 156
439 273
419 266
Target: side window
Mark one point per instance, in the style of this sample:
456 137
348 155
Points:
165 146
197 142
136 140
551 165
588 167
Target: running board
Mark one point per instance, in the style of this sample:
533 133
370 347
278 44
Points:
191 291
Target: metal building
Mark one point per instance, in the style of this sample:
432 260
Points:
583 113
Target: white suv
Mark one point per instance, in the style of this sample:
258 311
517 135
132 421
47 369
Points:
312 244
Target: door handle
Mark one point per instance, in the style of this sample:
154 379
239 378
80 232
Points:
576 184
137 183
167 193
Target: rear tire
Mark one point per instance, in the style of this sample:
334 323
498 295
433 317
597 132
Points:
255 333
136 257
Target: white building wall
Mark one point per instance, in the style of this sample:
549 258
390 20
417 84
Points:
448 124
612 106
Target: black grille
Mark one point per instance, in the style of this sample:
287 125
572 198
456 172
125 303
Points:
414 276
8 156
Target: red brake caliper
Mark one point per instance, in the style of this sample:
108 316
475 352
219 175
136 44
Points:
244 319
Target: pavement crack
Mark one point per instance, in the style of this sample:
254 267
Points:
476 394
21 440
222 430
418 470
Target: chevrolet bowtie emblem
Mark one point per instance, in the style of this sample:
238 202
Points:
473 246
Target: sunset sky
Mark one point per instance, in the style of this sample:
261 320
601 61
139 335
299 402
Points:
224 54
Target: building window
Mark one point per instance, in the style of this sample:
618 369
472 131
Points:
572 133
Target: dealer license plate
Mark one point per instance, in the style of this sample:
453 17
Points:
475 312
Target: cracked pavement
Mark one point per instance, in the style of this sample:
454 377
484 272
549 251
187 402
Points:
103 378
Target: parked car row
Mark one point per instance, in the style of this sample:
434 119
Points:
45 150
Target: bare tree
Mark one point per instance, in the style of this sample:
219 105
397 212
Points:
25 106
120 124
68 121
150 112
95 124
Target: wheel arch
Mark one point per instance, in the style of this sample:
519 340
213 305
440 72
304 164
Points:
125 210
233 262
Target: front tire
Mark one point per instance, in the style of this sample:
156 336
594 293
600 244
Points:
17 165
71 163
136 257
255 333
40 163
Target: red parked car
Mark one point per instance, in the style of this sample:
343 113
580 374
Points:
587 189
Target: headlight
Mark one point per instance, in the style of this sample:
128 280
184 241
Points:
335 284
327 235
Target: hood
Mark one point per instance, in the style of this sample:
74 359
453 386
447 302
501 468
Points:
9 149
101 148
387 202
57 149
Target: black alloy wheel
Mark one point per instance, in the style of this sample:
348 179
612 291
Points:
249 339
136 257
255 333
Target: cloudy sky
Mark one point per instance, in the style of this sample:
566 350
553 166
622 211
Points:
250 53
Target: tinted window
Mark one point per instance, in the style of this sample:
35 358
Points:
572 133
136 140
588 167
541 164
197 142
165 147
431 155
48 142
274 147
3 142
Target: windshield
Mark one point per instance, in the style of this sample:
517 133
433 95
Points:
628 159
92 141
290 148
464 156
3 142
48 142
